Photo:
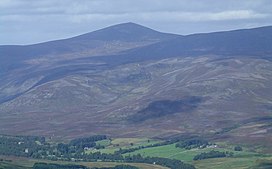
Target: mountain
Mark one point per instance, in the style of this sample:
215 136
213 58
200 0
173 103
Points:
106 41
128 80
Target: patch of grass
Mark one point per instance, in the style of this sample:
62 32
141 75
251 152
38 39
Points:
103 142
167 151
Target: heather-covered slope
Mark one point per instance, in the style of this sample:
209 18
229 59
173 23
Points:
129 80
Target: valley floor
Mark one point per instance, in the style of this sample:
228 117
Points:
247 158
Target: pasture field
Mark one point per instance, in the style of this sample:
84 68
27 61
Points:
241 159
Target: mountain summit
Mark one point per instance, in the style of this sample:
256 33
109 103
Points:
125 32
110 40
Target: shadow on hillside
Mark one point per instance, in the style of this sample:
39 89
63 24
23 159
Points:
162 108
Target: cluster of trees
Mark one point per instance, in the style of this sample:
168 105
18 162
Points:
57 166
1 160
97 156
37 147
80 143
25 146
212 154
171 163
193 143
238 148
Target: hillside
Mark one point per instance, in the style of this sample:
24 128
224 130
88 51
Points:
131 81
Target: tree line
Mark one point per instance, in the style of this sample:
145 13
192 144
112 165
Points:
193 143
69 166
212 154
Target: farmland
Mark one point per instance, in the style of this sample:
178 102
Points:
240 160
102 151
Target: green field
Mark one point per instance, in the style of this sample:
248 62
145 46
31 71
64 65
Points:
170 151
104 142
240 160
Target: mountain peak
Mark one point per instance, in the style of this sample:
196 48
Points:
125 32
129 26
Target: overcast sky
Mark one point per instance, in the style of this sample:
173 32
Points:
33 21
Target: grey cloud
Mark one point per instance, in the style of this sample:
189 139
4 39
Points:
124 6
